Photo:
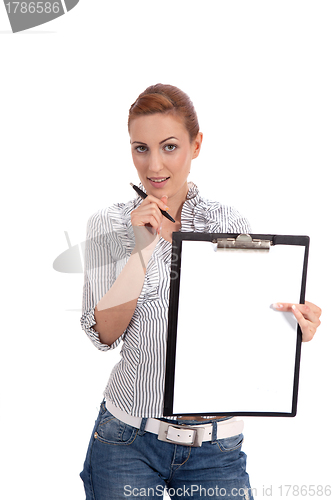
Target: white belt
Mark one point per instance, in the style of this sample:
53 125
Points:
180 434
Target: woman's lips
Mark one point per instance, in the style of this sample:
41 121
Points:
157 182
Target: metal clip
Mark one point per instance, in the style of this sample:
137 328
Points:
243 241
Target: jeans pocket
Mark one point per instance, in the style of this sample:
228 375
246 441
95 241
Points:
113 431
230 443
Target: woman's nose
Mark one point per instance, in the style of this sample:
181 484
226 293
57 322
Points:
155 163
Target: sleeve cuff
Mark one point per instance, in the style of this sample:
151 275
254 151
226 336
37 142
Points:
87 323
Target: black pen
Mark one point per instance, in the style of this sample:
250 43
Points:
144 195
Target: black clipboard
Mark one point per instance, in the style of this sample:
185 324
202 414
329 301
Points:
246 364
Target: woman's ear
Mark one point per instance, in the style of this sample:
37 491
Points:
197 145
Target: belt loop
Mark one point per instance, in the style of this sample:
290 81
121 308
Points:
214 432
142 427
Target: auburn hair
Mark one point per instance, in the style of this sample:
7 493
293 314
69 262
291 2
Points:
166 99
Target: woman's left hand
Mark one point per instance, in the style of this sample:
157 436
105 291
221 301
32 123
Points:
307 315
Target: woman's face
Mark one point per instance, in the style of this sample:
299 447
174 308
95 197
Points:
162 154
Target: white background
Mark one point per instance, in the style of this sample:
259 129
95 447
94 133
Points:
260 76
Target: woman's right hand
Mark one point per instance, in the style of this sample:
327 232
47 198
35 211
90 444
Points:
147 221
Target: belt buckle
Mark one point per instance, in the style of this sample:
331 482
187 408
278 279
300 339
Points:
197 438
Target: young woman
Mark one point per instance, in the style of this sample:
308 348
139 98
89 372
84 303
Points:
126 292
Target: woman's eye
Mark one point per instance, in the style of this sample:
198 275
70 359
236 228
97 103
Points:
141 149
170 147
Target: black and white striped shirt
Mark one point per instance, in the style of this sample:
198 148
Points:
136 384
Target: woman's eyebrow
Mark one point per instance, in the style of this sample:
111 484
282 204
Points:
167 139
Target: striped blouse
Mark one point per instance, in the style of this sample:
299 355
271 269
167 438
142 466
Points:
136 383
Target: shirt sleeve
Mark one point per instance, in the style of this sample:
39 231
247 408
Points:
104 259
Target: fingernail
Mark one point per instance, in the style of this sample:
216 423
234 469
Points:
294 307
277 306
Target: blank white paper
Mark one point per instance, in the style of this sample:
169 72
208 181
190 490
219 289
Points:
234 352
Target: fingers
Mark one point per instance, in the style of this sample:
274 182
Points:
147 215
316 310
164 199
309 310
307 327
149 212
161 203
307 315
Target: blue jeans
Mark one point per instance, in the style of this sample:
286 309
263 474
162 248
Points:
125 462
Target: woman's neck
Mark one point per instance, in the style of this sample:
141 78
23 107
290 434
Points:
176 202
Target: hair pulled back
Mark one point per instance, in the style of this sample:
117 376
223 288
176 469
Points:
161 98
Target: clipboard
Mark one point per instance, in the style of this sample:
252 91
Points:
228 351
